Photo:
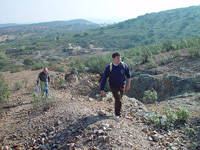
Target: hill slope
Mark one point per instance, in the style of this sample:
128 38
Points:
59 39
8 25
59 26
77 121
150 28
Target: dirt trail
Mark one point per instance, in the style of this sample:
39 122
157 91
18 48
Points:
74 120
79 122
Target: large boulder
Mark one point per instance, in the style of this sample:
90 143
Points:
139 84
173 85
166 87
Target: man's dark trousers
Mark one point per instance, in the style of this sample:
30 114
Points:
117 94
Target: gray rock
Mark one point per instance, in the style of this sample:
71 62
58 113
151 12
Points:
183 148
149 138
157 137
174 148
101 132
71 145
101 113
58 122
43 135
103 138
55 145
105 125
84 117
42 147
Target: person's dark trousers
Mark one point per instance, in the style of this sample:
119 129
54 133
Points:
117 94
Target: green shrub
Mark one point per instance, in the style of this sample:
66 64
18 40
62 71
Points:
4 89
97 64
3 56
177 54
16 69
17 86
194 51
166 60
60 69
25 82
42 103
74 71
150 96
151 65
78 65
189 131
61 83
35 98
170 117
37 66
29 62
168 45
155 119
146 55
182 114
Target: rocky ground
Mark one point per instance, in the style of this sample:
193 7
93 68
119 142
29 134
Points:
74 122
81 119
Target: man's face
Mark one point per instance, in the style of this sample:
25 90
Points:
117 59
45 71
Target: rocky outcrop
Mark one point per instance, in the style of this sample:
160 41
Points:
165 88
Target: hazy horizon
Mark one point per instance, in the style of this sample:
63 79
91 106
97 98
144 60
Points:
105 11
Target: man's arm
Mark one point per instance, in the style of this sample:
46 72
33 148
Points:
128 84
128 79
38 79
48 78
103 80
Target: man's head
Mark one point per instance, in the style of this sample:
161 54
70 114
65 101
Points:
45 70
116 58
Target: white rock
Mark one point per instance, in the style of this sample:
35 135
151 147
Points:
157 137
149 138
102 113
174 148
105 125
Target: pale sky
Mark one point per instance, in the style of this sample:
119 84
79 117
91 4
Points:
32 11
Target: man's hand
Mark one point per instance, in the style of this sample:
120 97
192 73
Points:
103 93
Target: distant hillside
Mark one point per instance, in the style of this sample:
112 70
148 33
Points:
59 40
151 28
60 27
8 25
64 23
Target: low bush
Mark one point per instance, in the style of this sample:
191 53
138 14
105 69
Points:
150 96
60 69
39 66
16 69
29 62
4 89
194 51
17 86
61 83
42 103
151 65
170 118
25 82
182 114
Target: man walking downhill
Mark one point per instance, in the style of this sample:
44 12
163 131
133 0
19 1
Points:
44 80
118 83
